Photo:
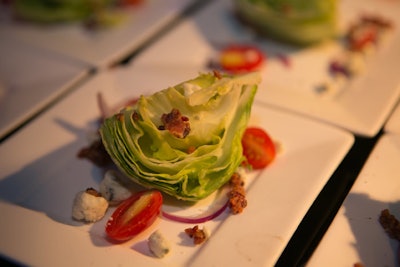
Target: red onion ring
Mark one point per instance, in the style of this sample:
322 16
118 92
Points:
195 220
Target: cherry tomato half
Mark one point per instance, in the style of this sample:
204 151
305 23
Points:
241 58
134 215
130 2
258 147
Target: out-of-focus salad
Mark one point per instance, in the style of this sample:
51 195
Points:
90 12
295 21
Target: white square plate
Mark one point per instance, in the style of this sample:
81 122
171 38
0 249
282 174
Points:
361 104
393 123
102 47
355 235
31 78
40 175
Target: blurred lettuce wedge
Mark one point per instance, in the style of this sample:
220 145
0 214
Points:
299 22
190 168
60 11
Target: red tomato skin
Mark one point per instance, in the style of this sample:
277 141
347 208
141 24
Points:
130 2
258 147
246 65
119 231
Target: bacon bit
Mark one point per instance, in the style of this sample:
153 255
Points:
237 194
135 116
217 74
366 31
191 149
390 224
175 123
96 153
358 264
379 21
198 235
93 192
119 116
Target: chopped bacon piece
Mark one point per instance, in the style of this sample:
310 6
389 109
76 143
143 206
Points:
198 235
237 194
217 74
135 116
191 149
390 224
93 192
175 123
96 153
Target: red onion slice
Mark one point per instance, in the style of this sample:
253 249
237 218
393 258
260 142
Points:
194 220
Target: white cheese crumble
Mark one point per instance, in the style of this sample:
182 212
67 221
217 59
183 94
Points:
113 189
158 245
190 88
88 207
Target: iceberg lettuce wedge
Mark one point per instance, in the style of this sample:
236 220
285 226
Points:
191 167
294 21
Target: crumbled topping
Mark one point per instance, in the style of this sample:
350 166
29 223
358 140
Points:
237 194
217 74
390 224
96 153
198 235
135 116
177 124
158 245
93 192
89 206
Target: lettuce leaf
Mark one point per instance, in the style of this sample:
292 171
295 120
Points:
293 21
193 167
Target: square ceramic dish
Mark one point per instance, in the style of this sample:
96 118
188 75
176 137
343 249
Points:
355 235
105 46
40 175
293 76
30 79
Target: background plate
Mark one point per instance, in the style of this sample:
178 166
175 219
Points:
102 47
40 176
31 78
355 235
393 123
361 104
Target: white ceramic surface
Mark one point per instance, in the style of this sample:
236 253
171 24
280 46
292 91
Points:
102 47
393 123
355 235
360 105
40 175
31 78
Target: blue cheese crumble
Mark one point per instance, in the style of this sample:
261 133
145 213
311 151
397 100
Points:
89 206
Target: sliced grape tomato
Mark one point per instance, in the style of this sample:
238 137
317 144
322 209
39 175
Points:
258 147
134 215
241 58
